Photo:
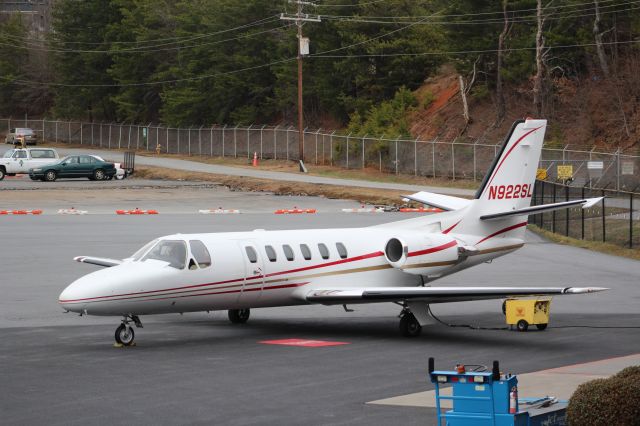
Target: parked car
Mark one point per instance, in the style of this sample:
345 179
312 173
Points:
74 166
120 172
20 160
30 137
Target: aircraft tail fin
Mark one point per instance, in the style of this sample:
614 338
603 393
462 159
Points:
507 186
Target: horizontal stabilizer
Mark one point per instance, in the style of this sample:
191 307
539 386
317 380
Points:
444 202
436 294
100 261
586 203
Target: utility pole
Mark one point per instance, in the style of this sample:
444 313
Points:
303 49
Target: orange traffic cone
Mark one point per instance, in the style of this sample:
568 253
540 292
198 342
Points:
255 159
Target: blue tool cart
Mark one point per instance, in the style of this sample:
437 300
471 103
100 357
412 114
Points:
489 398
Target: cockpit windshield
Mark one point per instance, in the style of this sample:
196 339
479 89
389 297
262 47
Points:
171 251
140 252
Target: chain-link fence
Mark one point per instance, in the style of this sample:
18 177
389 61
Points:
433 158
616 219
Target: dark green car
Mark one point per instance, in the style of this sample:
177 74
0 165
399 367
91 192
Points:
74 166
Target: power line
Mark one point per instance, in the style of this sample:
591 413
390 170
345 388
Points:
513 19
464 52
176 39
145 49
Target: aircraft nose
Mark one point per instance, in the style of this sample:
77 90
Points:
70 298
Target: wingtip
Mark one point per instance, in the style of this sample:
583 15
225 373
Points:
582 290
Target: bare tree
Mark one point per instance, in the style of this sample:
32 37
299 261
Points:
537 80
500 107
598 38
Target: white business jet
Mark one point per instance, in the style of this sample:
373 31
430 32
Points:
395 262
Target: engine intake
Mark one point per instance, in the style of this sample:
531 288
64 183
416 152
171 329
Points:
421 254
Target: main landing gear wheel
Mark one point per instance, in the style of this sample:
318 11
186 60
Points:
239 316
125 335
409 325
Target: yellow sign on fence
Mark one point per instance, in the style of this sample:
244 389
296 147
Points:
541 174
565 172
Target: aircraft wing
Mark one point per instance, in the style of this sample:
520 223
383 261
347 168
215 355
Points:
100 261
435 294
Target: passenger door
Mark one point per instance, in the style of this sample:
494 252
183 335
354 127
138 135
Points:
253 272
20 162
69 167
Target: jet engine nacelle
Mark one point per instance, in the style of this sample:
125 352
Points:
421 254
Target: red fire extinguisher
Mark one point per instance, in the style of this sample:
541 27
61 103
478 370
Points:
513 400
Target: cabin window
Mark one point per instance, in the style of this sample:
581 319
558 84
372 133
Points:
306 253
324 251
170 251
288 252
342 250
200 253
251 254
271 253
137 255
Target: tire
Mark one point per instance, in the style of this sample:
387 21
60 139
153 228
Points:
239 316
522 325
125 335
50 176
119 177
541 326
99 174
409 325
504 308
2 173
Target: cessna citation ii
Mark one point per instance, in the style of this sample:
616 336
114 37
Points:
395 262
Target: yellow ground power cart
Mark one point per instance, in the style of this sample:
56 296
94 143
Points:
525 312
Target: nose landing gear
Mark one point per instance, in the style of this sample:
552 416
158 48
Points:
239 316
124 333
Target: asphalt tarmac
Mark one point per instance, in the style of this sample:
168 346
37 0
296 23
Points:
60 369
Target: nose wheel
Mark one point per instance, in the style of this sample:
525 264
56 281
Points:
239 316
124 333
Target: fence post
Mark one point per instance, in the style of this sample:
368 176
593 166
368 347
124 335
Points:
553 213
397 153
235 141
331 148
288 129
566 198
69 129
189 141
166 144
582 217
304 148
157 135
474 159
318 131
275 142
223 132
200 140
618 169
178 139
348 136
210 141
137 136
453 159
109 141
415 157
149 136
42 129
248 135
363 150
92 133
604 231
630 220
261 129
542 202
119 135
81 133
56 130
433 156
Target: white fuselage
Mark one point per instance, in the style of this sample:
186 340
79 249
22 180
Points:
233 281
